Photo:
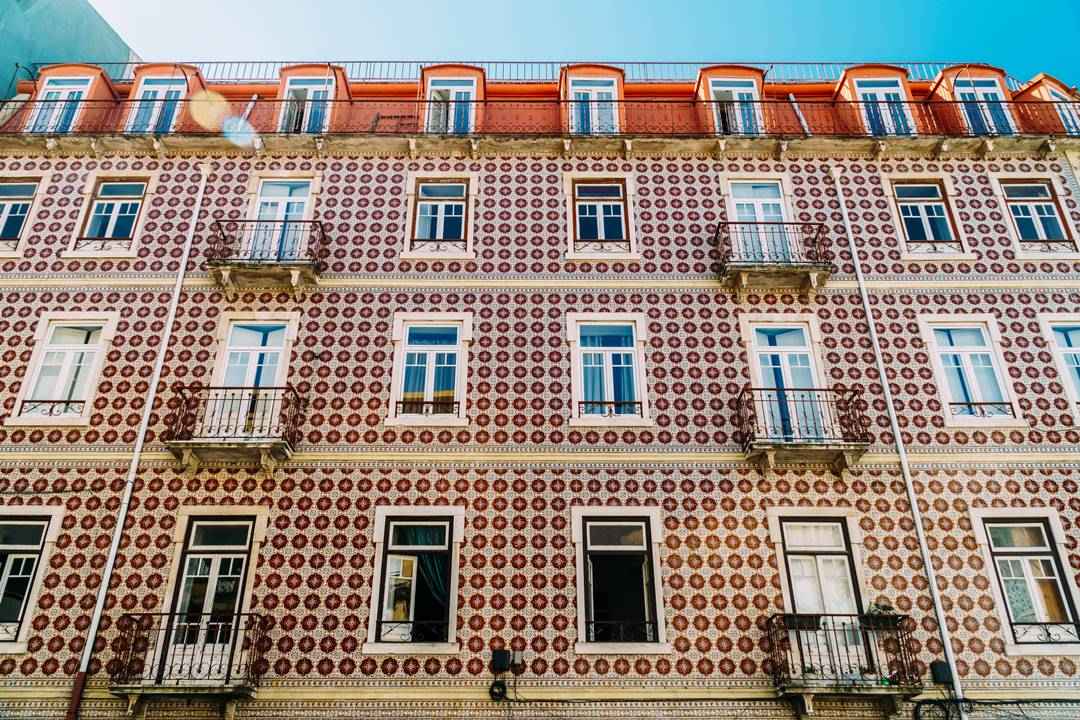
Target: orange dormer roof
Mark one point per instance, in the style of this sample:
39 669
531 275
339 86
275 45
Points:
101 85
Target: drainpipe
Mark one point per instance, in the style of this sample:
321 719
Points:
901 450
133 466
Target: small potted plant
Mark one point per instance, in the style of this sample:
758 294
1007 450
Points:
881 616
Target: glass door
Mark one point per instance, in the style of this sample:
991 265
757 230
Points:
884 110
205 621
250 402
593 107
57 105
760 235
789 407
735 107
279 233
1069 112
984 107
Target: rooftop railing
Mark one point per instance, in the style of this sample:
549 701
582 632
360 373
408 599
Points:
241 121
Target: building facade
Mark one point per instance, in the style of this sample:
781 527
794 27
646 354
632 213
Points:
325 384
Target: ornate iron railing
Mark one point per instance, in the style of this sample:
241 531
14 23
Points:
801 416
428 407
635 631
1045 633
267 242
237 414
190 649
609 408
103 244
602 245
981 409
51 408
826 650
771 243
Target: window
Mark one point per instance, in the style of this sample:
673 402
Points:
440 219
1068 110
415 594
450 107
279 233
819 567
1065 341
600 213
885 111
760 234
736 108
592 107
307 104
250 399
974 387
926 222
608 372
430 368
1030 577
114 210
67 371
1036 219
619 582
58 104
789 403
21 544
984 107
155 105
16 198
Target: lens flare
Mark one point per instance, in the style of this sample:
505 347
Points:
238 131
209 109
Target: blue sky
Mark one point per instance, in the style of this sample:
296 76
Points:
1023 37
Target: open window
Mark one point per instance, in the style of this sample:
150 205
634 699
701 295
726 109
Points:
451 105
156 104
57 105
16 199
64 371
306 105
415 593
22 540
969 372
430 368
620 588
1036 217
736 106
593 106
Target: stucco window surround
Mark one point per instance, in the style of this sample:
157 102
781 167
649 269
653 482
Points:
93 180
989 324
1058 190
630 190
383 513
463 321
1047 322
748 322
1058 545
226 320
108 322
574 322
889 181
54 514
472 200
654 516
40 180
846 515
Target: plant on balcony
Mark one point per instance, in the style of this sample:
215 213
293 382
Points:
881 616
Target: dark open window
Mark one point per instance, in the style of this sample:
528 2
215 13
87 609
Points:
21 541
619 591
415 592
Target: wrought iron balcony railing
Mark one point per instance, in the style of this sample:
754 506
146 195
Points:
240 121
618 631
771 243
223 650
268 242
981 409
842 651
601 246
428 407
102 244
237 414
609 408
800 416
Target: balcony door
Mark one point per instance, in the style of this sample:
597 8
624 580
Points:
789 407
307 105
1068 110
592 110
984 107
279 231
885 111
58 104
760 234
250 401
736 107
450 107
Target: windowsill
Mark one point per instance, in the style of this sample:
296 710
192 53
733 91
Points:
426 421
419 648
13 648
434 255
1004 422
73 421
597 648
602 256
1012 649
10 254
934 257
632 421
1051 256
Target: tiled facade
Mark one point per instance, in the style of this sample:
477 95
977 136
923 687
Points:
521 462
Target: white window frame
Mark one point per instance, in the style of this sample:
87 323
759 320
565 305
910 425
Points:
472 197
451 104
594 117
1058 546
291 321
7 178
749 322
1003 98
755 100
599 178
574 322
988 324
399 335
329 84
889 182
1047 322
886 118
155 114
654 516
107 321
87 83
53 515
407 513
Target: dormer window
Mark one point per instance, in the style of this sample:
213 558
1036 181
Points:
885 111
1068 110
450 105
155 105
306 106
984 106
592 110
736 107
58 104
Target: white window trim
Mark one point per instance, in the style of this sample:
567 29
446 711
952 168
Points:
616 101
472 193
755 90
727 198
1001 178
108 321
574 321
39 98
261 180
225 322
331 88
748 322
402 320
1046 323
15 176
54 514
1057 544
847 515
654 516
889 181
630 187
452 646
989 324
136 97
905 98
472 98
93 180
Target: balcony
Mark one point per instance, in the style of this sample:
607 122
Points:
240 425
260 253
769 255
842 655
188 654
802 426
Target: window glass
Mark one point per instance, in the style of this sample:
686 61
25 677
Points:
599 191
918 192
619 583
26 534
602 336
780 337
959 337
616 535
213 534
1017 536
442 190
432 335
753 190
1025 192
419 535
814 535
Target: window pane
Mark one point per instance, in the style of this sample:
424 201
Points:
932 192
121 189
219 535
418 535
628 535
1026 192
599 191
15 591
1016 536
913 226
75 335
611 336
433 335
1052 601
622 382
780 337
257 336
442 190
613 222
820 536
588 223
1067 336
17 189
29 534
959 337
805 585
745 190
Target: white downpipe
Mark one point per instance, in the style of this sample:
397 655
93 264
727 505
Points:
133 467
901 450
